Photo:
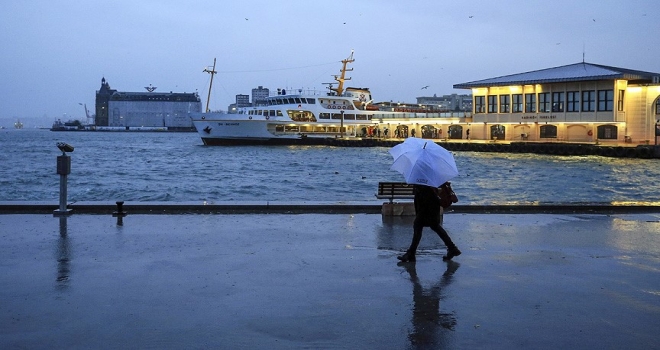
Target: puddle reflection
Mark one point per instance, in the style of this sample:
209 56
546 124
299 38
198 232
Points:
431 327
63 256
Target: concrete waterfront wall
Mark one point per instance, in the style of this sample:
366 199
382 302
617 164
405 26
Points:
364 207
552 148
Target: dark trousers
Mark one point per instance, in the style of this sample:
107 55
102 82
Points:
418 226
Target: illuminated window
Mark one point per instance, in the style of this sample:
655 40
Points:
573 101
544 102
607 132
479 104
605 100
505 102
557 101
492 104
620 101
548 131
497 132
517 103
530 103
588 101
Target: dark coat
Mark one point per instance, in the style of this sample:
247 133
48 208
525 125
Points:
427 204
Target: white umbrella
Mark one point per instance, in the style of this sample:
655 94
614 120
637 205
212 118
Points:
423 162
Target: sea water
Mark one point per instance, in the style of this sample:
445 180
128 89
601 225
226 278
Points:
162 166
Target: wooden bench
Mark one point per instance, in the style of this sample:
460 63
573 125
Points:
398 190
395 190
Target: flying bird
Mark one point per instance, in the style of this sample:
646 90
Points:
424 87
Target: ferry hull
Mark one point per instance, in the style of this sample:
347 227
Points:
222 132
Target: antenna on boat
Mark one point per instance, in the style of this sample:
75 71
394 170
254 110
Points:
212 72
341 78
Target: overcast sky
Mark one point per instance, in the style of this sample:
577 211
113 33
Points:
54 53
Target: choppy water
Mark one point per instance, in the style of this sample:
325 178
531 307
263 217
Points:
177 167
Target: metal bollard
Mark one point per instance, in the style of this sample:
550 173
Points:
120 213
63 169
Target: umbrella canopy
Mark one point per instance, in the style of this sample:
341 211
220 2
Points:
423 162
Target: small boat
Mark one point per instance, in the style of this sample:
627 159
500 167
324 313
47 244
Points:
298 118
71 125
18 124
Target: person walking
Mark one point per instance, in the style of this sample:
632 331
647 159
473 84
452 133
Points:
427 214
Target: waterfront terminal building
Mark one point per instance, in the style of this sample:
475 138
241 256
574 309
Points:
144 111
580 102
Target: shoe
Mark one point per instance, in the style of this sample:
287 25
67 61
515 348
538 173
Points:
451 253
406 257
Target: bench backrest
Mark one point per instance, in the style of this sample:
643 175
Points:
392 190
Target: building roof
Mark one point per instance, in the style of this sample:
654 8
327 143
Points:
155 96
573 72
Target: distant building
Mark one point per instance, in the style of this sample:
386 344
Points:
259 95
145 109
243 101
453 102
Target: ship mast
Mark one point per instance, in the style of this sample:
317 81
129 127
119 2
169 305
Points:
340 79
212 72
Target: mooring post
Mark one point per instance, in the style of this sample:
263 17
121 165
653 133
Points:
120 213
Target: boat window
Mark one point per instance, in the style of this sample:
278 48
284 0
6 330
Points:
361 117
265 112
311 100
301 116
349 116
298 100
290 100
336 116
272 113
279 113
324 116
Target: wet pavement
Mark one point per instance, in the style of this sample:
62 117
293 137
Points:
281 281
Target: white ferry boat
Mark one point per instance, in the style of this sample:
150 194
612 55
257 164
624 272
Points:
303 118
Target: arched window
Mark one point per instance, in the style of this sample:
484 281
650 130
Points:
548 132
607 132
455 132
401 131
429 132
497 132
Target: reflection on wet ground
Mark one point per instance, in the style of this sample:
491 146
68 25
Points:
430 325
283 281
